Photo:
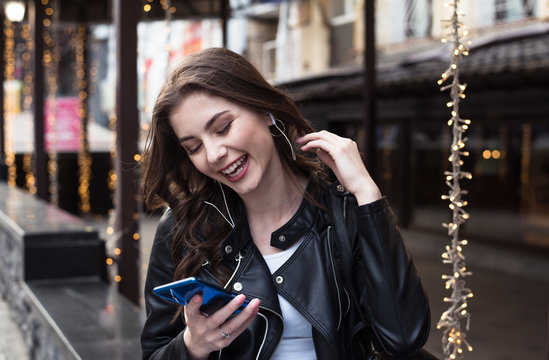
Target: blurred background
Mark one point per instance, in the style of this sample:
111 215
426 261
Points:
80 79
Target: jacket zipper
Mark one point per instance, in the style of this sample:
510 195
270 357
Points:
335 277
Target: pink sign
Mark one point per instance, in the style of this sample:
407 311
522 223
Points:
63 112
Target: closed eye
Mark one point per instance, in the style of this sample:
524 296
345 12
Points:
194 149
225 129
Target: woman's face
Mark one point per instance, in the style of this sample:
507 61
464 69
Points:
227 142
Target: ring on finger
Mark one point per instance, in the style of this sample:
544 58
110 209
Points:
226 336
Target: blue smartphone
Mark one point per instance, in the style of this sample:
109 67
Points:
181 292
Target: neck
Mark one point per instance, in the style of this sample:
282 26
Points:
279 196
269 209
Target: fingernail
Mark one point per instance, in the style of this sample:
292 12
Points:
299 139
240 298
255 303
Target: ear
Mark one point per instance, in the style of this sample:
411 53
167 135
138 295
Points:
272 121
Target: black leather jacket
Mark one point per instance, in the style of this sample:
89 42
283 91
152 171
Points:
391 300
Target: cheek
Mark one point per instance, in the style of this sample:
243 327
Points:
200 164
256 138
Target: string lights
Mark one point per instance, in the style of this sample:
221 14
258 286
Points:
30 180
50 59
112 231
112 236
9 69
454 338
84 158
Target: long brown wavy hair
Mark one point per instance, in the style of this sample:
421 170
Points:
171 179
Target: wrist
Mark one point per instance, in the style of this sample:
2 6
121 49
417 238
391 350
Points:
367 196
365 190
192 353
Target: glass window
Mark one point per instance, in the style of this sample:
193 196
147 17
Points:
509 194
399 20
418 18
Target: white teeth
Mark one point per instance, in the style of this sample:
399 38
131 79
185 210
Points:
233 167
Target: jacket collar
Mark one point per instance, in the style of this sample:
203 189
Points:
282 238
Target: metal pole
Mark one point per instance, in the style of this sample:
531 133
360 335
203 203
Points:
224 9
36 18
370 85
127 124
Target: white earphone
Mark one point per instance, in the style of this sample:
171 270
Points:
273 121
272 118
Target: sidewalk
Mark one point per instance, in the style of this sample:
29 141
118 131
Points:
509 310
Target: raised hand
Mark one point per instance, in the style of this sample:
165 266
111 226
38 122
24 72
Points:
342 156
205 334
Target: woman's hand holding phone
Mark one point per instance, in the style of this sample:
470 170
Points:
205 334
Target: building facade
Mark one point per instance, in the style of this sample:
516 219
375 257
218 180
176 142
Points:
314 49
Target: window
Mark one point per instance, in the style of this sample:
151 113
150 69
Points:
497 11
418 18
400 20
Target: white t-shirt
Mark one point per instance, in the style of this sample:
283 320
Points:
297 340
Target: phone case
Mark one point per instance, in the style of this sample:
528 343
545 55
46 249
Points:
181 292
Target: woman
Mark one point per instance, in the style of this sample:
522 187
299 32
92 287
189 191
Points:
249 185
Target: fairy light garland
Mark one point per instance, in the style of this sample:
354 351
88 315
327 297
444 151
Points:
9 70
84 158
30 179
112 237
50 59
113 234
454 338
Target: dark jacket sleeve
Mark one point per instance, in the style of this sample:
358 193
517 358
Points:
161 338
389 287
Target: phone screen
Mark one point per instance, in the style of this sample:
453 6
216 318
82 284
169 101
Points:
181 292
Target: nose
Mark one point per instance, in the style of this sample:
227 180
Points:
215 152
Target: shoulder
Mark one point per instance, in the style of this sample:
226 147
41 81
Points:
166 227
167 218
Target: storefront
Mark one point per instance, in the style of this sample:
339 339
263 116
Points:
508 141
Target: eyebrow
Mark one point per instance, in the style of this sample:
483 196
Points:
208 125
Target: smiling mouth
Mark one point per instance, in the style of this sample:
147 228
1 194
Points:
236 168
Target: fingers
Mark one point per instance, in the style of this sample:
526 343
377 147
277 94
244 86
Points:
236 325
220 316
205 334
342 156
333 148
325 158
232 327
192 308
326 141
